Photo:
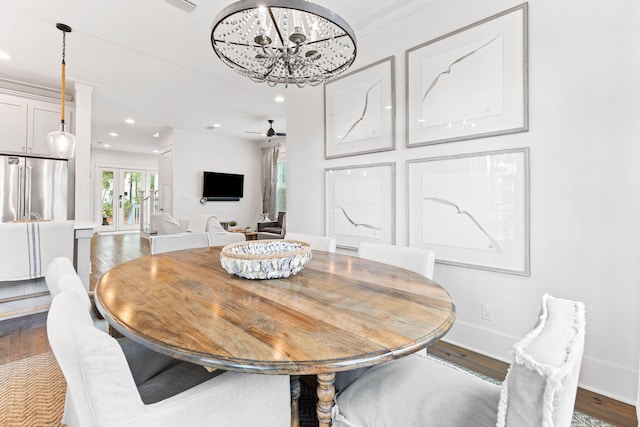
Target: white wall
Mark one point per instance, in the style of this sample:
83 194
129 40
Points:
585 191
122 159
194 153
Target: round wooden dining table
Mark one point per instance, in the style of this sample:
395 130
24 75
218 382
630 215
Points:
339 313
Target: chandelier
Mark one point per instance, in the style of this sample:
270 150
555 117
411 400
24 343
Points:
283 41
62 144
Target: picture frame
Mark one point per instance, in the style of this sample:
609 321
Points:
470 83
472 210
360 204
360 111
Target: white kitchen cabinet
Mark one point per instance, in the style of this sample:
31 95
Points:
13 124
25 123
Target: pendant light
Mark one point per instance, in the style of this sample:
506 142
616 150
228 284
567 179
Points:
62 144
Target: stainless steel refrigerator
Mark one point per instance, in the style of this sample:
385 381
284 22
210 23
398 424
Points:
35 188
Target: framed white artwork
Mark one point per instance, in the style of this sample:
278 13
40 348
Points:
360 204
470 83
360 110
472 210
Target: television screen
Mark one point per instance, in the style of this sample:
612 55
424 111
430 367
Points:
222 186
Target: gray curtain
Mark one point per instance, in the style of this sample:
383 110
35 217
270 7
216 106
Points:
269 179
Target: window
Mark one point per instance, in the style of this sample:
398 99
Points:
281 187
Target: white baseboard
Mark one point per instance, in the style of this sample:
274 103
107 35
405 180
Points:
598 376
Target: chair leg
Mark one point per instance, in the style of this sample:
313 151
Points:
295 396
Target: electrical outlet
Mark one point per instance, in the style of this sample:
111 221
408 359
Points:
487 312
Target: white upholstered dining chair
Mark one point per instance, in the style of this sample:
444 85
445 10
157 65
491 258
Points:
418 260
539 390
107 388
319 243
62 277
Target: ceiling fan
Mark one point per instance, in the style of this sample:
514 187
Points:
270 133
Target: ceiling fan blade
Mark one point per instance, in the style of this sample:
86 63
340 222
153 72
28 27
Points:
257 133
281 134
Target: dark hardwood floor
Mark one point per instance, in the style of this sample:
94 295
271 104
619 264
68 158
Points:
26 336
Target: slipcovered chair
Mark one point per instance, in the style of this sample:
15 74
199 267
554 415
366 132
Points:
421 261
539 390
104 390
178 242
218 236
62 277
319 243
164 223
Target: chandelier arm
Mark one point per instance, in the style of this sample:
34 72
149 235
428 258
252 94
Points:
235 43
327 39
275 25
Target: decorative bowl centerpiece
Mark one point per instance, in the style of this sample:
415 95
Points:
265 259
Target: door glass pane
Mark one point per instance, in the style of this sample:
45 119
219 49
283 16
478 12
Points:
107 198
131 195
153 188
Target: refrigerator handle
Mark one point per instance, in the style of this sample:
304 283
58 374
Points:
20 193
27 204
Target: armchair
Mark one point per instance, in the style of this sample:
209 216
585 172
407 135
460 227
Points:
273 229
103 389
164 223
539 390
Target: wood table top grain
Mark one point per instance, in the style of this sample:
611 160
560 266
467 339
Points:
338 313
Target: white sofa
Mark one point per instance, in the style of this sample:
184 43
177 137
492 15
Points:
165 225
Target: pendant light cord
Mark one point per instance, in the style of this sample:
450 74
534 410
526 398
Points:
64 38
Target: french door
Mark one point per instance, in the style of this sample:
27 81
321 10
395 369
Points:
118 196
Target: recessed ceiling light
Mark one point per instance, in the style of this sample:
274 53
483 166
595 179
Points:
155 151
214 126
388 107
130 121
107 145
156 135
113 134
4 55
279 98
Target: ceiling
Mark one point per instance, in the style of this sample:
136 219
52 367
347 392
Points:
149 61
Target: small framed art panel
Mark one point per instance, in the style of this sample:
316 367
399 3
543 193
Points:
470 83
472 210
360 111
360 204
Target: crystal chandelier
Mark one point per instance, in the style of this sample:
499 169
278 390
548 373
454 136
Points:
62 144
283 41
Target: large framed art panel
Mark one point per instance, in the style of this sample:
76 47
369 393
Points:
360 111
360 204
472 210
470 83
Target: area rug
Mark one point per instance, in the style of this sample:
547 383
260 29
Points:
33 391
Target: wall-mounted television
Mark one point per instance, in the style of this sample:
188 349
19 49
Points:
217 186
